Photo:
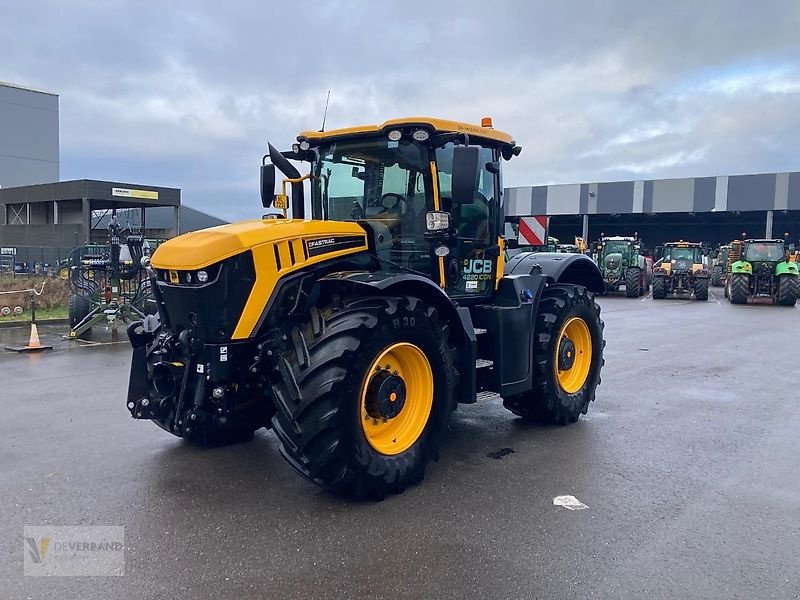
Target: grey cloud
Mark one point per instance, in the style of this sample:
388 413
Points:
187 94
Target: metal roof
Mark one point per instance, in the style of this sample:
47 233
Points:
17 86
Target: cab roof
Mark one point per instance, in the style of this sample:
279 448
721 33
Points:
683 244
437 125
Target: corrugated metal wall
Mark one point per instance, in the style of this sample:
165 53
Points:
760 192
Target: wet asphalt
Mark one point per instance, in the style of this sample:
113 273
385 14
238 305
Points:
687 462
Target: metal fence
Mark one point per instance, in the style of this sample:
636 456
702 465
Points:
25 260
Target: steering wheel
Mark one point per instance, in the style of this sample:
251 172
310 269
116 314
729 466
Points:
400 198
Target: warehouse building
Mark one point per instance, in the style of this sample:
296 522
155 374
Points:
42 218
709 209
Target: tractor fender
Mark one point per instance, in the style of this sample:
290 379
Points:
742 266
786 268
462 330
559 267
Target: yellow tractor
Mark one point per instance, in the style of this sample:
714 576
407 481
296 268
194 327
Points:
354 327
681 271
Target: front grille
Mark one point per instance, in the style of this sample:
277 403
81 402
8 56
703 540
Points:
213 310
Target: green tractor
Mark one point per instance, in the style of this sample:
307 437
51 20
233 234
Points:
763 271
622 264
719 267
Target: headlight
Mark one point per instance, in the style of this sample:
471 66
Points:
202 276
437 221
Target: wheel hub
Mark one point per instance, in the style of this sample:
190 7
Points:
386 395
566 354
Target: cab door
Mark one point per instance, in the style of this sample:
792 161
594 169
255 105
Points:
470 269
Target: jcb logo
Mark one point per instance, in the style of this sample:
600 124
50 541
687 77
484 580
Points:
477 266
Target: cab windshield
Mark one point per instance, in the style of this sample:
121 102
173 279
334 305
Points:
763 251
370 179
616 247
692 254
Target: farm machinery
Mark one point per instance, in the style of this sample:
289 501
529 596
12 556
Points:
354 330
621 262
108 282
719 268
761 268
681 271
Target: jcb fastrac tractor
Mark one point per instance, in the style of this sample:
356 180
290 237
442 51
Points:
353 328
681 271
762 269
621 263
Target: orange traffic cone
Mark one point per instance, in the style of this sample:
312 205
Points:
34 345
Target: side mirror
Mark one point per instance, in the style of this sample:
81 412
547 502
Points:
465 174
267 185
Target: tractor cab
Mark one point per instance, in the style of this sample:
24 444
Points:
428 191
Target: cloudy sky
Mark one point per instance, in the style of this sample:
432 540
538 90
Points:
186 94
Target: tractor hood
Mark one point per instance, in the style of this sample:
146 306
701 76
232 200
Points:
200 249
613 261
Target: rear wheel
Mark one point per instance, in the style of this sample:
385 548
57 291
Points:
716 276
787 290
659 288
365 394
701 289
739 288
632 282
568 356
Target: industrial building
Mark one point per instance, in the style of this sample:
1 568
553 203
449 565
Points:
708 209
42 218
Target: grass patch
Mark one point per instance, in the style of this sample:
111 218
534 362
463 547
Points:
42 314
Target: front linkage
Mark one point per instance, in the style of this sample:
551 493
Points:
208 393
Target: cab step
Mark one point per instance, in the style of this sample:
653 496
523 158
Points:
486 395
480 331
483 363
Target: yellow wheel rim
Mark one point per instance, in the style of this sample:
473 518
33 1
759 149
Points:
573 355
396 398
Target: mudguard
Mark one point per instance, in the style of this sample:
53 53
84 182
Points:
742 266
462 330
786 268
559 267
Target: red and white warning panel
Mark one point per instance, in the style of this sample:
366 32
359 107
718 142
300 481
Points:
533 231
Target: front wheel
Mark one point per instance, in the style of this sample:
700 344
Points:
659 288
701 289
739 288
568 356
787 290
716 276
633 282
364 395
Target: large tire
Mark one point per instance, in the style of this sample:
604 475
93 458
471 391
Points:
739 288
659 288
80 305
549 400
322 418
633 278
787 290
701 289
716 276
